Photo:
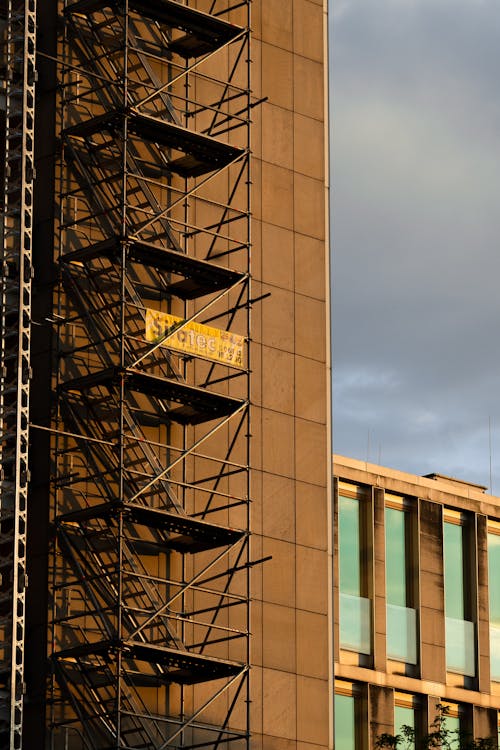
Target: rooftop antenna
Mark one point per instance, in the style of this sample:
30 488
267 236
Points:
489 439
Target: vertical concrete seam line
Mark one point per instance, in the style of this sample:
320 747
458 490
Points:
329 426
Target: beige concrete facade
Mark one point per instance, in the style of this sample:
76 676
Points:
431 501
290 372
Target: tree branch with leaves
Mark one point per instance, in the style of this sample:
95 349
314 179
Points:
440 736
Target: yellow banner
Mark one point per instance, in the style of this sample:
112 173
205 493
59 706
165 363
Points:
195 338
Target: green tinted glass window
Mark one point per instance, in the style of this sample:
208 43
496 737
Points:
458 590
454 571
404 716
494 594
494 577
350 546
396 556
345 724
452 724
354 602
401 617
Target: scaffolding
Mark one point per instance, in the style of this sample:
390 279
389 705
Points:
149 623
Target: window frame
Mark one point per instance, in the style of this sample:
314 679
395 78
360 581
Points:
467 522
363 495
492 529
409 507
356 691
409 701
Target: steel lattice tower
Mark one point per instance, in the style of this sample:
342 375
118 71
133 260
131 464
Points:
15 370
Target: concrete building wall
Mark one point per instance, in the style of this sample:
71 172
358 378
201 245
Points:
290 423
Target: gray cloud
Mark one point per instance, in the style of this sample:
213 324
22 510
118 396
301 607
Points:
417 232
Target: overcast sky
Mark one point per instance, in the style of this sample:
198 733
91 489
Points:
416 155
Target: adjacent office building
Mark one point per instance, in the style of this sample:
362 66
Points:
417 603
164 375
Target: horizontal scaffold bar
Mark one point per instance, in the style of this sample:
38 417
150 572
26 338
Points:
203 32
202 153
197 404
186 534
201 277
182 667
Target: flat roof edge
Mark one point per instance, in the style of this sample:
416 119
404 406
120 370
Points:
434 481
